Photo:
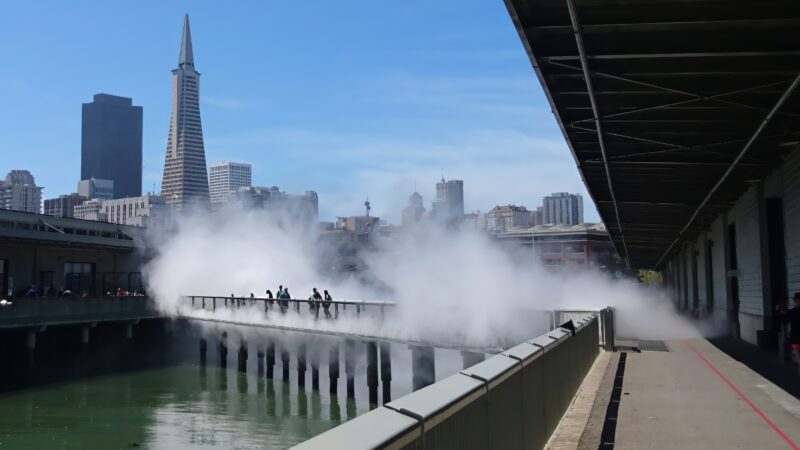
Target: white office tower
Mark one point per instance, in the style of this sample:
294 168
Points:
226 178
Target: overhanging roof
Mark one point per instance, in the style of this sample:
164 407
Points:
670 108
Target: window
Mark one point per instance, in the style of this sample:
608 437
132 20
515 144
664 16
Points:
79 278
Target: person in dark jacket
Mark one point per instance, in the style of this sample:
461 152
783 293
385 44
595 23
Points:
326 303
792 317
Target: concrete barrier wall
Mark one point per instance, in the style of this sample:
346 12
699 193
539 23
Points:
513 400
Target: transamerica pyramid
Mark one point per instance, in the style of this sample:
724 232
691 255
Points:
185 178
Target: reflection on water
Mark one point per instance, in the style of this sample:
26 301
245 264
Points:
169 408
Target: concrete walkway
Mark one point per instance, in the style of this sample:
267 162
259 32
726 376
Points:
694 396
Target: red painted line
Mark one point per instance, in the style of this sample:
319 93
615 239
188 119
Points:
744 397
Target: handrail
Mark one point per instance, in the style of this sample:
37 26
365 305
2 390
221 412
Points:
296 300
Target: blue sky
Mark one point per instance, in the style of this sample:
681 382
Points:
353 99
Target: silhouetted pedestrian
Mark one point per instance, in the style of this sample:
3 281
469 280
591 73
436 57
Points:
326 304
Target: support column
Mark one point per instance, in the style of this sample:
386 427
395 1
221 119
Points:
301 365
372 372
30 341
386 371
315 371
469 359
223 350
203 351
85 335
242 366
285 364
422 367
129 330
333 368
260 361
350 367
270 359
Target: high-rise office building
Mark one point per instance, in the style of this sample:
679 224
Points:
563 208
449 204
185 178
414 211
19 192
225 178
94 188
63 205
111 143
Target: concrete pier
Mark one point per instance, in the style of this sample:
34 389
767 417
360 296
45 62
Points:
372 372
242 366
422 367
350 367
301 365
315 371
285 364
469 359
129 330
270 359
333 368
386 371
260 361
85 335
223 350
203 351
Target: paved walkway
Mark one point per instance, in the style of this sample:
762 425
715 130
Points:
694 396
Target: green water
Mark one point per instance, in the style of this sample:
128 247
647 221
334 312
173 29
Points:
180 407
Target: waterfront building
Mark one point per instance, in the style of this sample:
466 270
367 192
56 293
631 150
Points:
563 208
18 192
63 205
449 204
559 246
415 210
185 178
111 143
225 178
144 211
504 218
96 188
91 209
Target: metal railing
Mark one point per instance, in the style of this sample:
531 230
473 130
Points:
513 400
28 312
285 305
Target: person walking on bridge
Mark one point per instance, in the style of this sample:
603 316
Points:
285 297
269 298
314 301
326 304
792 317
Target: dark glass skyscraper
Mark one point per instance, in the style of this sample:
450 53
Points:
111 143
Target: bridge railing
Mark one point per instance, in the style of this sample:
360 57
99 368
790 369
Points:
26 312
284 305
513 400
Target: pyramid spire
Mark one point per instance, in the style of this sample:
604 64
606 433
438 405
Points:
186 57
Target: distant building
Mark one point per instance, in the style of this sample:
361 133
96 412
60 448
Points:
449 204
415 210
143 211
563 208
111 143
91 209
357 224
96 188
560 246
185 178
19 192
64 205
304 205
225 178
504 218
537 217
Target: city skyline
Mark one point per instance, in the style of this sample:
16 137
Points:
386 113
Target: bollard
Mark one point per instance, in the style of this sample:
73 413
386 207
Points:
372 372
203 350
270 359
386 371
350 367
333 368
285 364
422 367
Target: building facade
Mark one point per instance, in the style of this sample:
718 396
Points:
565 246
111 143
143 211
415 210
63 206
96 188
449 204
91 209
225 178
18 192
185 178
563 208
303 206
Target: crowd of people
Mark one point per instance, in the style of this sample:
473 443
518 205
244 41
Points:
53 292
